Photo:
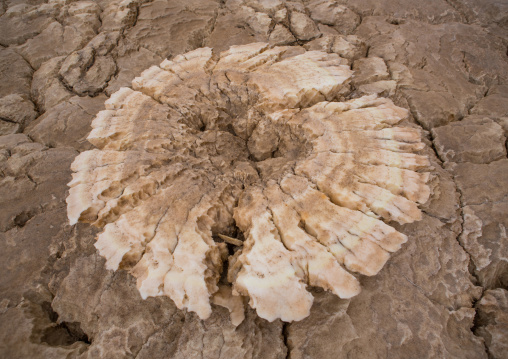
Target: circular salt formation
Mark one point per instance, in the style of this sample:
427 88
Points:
248 144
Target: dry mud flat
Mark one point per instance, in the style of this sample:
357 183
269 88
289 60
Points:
443 295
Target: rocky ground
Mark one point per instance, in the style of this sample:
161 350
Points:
443 295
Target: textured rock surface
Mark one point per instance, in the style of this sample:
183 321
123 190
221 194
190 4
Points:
474 139
16 112
493 321
446 63
47 89
16 73
68 123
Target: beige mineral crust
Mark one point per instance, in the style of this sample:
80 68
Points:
257 145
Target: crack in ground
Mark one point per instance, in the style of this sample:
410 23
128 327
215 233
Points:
285 337
457 238
471 270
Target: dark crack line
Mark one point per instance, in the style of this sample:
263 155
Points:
457 237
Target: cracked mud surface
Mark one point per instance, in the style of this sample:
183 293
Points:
444 294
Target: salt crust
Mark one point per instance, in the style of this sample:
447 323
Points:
250 143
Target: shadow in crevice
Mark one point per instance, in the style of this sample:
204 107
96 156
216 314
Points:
64 333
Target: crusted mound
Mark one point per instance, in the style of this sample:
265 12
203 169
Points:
250 139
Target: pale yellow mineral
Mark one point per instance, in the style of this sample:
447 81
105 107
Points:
234 303
267 275
250 159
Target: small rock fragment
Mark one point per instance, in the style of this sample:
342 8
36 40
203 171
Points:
302 26
476 140
17 110
281 36
15 73
119 14
494 104
330 13
87 73
225 298
370 69
281 16
47 89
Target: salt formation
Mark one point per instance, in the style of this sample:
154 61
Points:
248 144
